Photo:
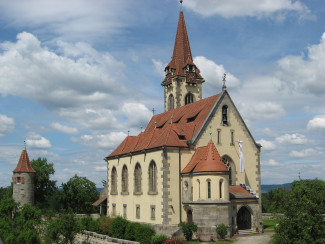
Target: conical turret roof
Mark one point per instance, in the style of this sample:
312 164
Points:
24 165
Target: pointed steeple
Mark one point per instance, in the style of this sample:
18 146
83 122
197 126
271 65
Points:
182 60
24 165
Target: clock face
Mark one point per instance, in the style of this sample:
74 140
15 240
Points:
190 77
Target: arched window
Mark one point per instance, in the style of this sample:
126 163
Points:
199 187
225 115
209 189
152 177
220 189
170 102
189 98
229 163
114 181
137 178
125 179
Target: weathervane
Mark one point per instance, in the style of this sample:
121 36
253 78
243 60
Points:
25 145
224 82
153 110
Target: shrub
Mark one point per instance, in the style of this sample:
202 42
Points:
175 241
158 239
188 229
87 223
222 231
144 233
104 225
118 227
130 231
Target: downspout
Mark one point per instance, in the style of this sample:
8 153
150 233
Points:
180 187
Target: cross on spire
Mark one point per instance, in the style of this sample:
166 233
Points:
224 82
25 145
153 110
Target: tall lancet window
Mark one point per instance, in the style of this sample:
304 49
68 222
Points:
114 181
225 115
124 179
189 98
152 177
170 102
137 178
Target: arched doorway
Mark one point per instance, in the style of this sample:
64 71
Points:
244 219
189 216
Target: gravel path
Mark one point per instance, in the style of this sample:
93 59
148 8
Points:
254 239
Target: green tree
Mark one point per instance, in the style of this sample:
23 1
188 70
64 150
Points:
78 194
44 187
19 226
62 229
303 207
188 228
273 201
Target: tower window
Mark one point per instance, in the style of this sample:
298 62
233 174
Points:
225 115
209 189
170 102
189 98
220 189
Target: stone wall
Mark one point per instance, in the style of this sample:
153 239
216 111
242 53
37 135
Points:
93 237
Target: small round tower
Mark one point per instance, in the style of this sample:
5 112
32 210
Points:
23 181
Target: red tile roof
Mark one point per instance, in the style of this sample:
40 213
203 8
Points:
239 192
187 121
99 201
182 54
24 165
205 159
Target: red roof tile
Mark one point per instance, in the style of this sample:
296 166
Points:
239 192
99 201
187 120
205 159
24 165
182 54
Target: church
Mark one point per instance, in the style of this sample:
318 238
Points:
197 161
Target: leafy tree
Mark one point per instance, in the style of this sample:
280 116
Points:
44 187
272 202
118 227
104 223
62 229
222 230
19 226
188 228
303 207
78 194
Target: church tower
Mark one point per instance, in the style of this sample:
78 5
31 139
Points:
183 82
23 181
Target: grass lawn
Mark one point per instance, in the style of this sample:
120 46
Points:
269 225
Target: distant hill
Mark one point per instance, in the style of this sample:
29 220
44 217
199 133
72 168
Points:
266 188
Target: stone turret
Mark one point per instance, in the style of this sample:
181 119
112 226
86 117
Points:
23 181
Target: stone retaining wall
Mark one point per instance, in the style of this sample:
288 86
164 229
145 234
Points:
94 238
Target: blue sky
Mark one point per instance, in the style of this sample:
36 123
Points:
76 75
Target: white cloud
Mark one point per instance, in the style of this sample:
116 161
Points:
106 141
262 111
317 124
292 139
64 129
309 152
271 162
138 114
305 74
32 71
213 74
267 145
34 140
159 67
7 125
100 168
253 8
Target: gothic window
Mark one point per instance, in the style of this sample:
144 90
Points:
209 189
225 115
124 179
137 178
114 209
124 210
137 211
199 188
232 141
219 137
153 212
170 102
114 181
220 189
189 98
152 177
229 163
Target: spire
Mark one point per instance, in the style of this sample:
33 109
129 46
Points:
182 55
24 165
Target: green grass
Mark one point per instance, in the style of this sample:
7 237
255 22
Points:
269 224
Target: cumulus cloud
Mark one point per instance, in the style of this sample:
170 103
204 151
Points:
31 70
305 73
213 74
267 145
138 114
262 111
159 67
7 125
252 8
64 129
292 139
271 162
100 168
317 124
34 140
309 152
106 141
